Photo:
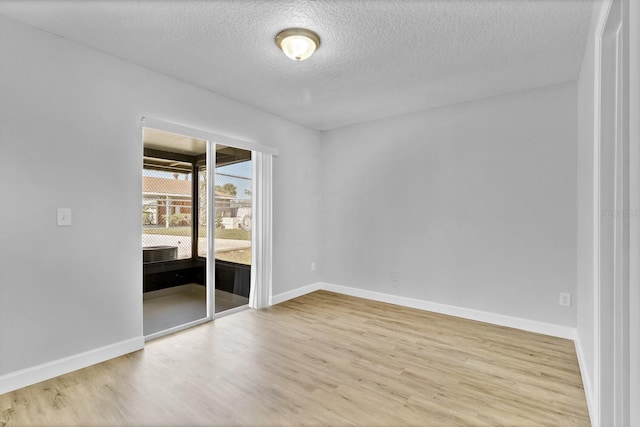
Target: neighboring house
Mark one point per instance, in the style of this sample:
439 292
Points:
167 202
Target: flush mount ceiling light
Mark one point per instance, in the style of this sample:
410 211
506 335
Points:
298 43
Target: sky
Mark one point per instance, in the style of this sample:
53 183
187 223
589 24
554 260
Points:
240 170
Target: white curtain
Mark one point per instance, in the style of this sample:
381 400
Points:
261 230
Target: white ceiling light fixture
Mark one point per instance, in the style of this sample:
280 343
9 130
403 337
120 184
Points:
298 43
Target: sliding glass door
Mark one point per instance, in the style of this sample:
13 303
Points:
233 224
174 271
206 203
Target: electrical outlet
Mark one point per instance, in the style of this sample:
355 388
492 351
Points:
64 216
313 266
565 299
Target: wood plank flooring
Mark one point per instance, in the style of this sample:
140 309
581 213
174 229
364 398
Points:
321 359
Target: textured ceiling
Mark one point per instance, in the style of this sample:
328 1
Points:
377 58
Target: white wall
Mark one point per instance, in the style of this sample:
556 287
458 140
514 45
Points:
474 205
70 137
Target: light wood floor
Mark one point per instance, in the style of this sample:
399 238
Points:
321 359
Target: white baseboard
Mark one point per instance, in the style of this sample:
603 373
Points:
586 380
451 310
277 299
35 374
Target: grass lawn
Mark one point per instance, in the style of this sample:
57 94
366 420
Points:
240 256
237 234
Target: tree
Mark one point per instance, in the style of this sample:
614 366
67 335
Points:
219 223
228 189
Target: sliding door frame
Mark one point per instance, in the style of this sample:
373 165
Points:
212 139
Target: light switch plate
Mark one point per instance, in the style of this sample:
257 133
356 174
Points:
64 216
